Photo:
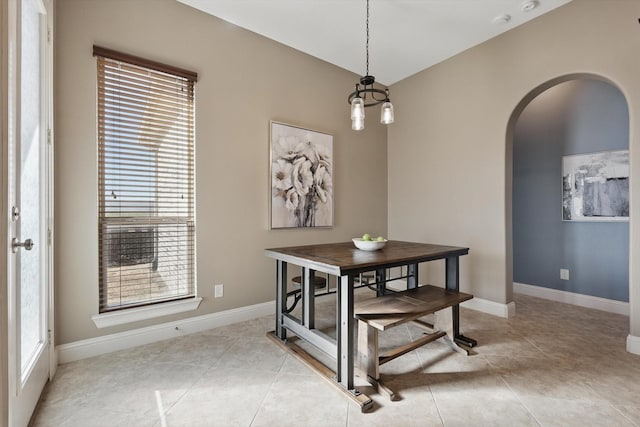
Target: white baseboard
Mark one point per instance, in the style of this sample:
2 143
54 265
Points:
491 307
633 344
587 301
123 340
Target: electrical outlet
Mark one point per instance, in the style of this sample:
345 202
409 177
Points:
564 274
218 291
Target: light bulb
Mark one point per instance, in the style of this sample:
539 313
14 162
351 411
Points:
357 108
357 124
386 115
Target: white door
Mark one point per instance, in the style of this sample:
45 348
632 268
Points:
29 223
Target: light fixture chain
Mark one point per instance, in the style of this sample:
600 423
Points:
367 38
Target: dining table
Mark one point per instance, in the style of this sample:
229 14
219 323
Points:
347 263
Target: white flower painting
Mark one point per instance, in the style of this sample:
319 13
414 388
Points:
301 177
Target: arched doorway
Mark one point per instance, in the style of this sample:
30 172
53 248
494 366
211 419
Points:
571 115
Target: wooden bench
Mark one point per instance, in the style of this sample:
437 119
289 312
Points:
388 311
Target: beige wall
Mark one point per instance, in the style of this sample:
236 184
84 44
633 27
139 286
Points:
244 81
450 147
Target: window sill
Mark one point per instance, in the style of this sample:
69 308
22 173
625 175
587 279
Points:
143 313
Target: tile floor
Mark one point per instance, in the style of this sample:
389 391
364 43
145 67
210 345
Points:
551 365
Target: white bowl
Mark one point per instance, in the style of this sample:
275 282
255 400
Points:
369 245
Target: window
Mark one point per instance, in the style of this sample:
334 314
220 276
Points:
146 226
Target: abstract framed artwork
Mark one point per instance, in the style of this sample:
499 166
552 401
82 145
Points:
595 186
301 184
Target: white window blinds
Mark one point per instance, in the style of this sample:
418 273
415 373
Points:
146 181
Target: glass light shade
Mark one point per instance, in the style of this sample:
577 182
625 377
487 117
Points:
357 108
386 115
357 124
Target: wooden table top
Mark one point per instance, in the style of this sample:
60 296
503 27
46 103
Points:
344 258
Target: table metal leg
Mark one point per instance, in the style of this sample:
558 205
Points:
381 282
452 267
308 298
281 298
345 332
412 273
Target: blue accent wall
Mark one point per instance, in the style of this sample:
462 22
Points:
576 117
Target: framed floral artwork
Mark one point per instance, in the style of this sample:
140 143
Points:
301 177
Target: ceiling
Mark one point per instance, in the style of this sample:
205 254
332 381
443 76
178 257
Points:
406 36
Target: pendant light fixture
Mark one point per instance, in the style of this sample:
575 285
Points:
368 96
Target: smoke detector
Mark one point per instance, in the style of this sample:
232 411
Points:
528 6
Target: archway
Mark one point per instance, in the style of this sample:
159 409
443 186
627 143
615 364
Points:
570 115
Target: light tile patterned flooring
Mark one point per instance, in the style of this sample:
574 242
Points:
551 365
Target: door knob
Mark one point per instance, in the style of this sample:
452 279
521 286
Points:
27 245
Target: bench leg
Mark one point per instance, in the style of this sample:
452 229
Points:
382 388
367 361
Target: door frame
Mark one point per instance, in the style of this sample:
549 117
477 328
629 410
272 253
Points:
50 199
8 124
7 101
